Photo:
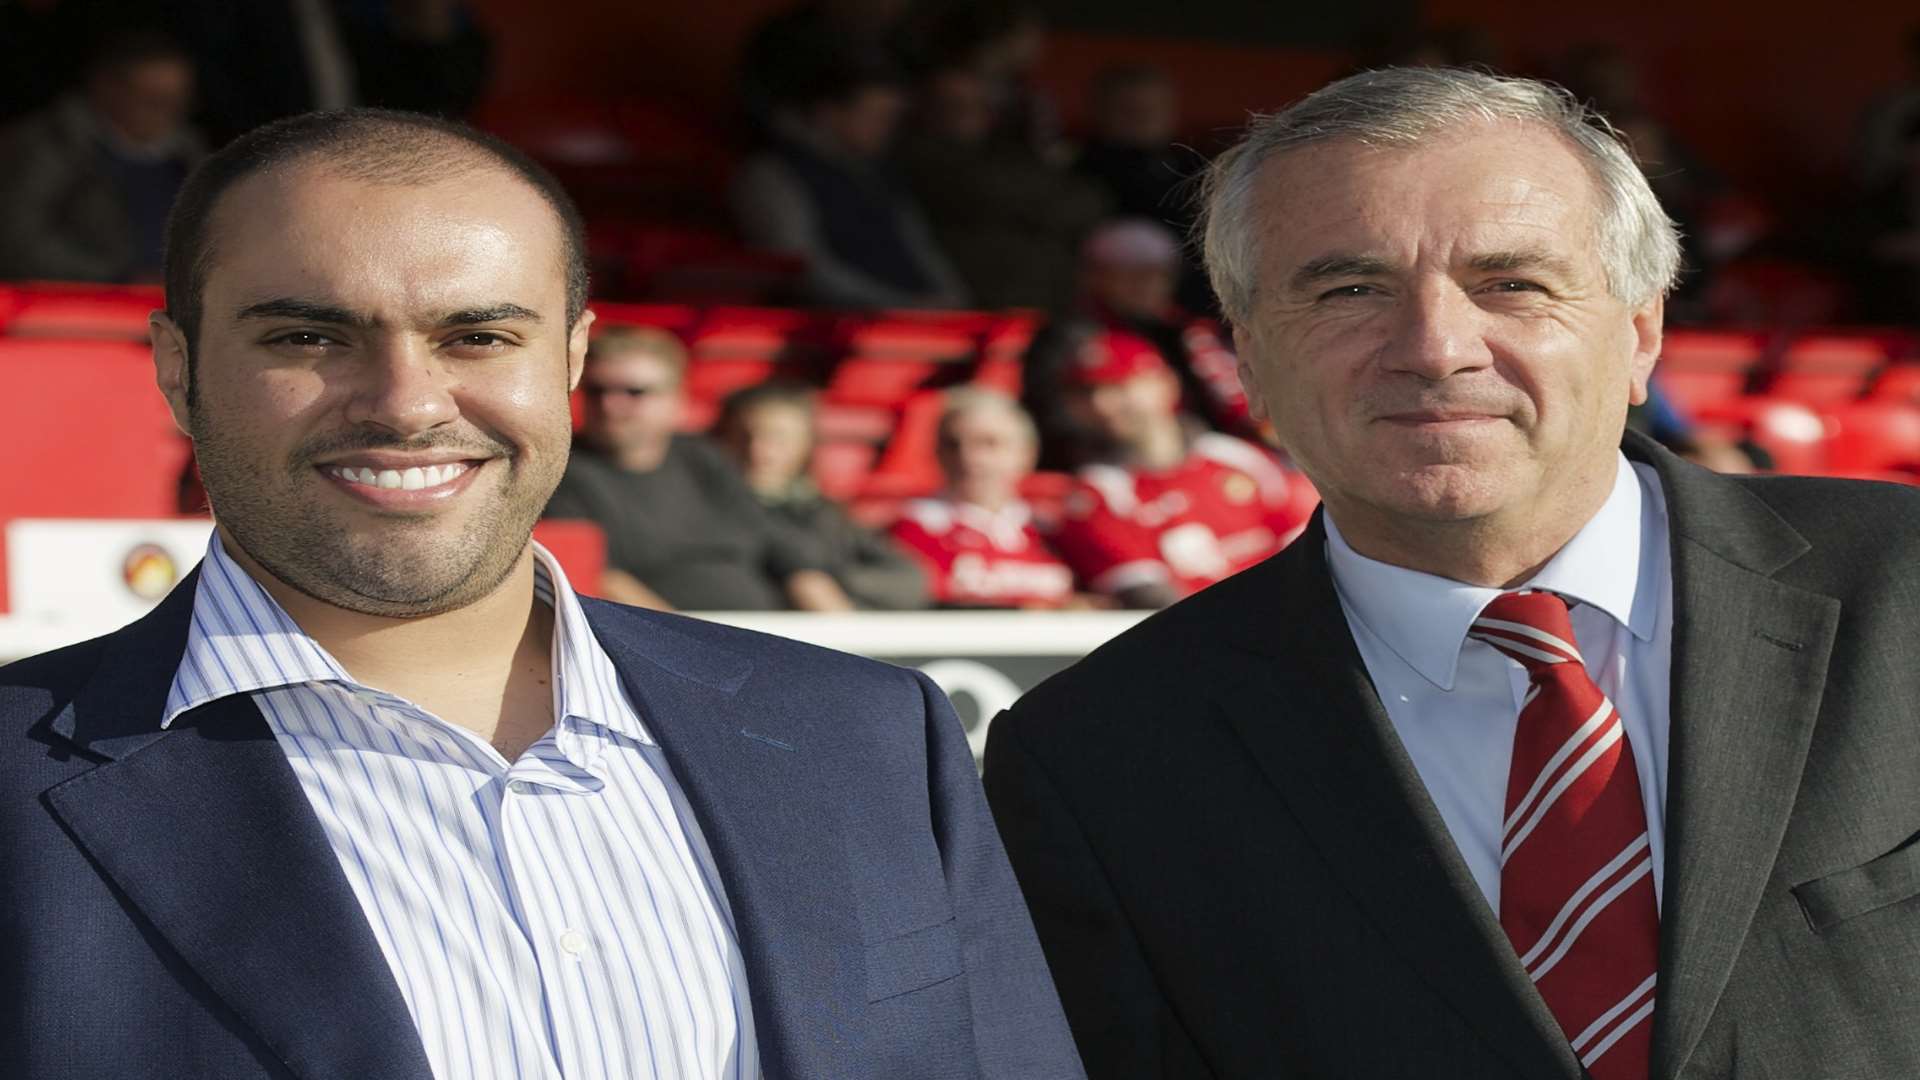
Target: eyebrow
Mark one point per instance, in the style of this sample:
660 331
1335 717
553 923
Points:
1314 271
1506 262
288 307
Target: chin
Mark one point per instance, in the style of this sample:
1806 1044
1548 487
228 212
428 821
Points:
1441 493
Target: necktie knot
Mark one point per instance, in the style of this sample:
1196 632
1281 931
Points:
1531 627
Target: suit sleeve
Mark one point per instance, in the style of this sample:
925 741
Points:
1119 1018
1018 1027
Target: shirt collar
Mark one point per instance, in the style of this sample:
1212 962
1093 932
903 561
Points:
241 641
1424 618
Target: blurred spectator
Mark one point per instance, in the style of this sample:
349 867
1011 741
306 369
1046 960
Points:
88 181
822 190
264 59
1128 274
1003 42
794 51
1009 222
683 529
1166 510
977 540
769 431
1886 122
1131 151
1889 232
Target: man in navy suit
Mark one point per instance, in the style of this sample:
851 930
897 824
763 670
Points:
373 793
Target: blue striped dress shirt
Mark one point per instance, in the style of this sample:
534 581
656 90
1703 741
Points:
555 916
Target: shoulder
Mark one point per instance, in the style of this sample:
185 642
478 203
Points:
717 653
1858 531
35 690
1152 670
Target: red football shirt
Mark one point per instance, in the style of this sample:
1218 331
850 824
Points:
1228 505
977 558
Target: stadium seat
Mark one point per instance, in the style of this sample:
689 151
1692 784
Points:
908 466
733 348
1826 369
673 318
1002 363
887 360
1874 435
101 442
1792 433
1701 366
579 546
55 310
1899 382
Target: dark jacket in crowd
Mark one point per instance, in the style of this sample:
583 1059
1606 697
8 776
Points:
869 567
690 530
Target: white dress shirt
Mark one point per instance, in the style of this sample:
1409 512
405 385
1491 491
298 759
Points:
556 916
1455 701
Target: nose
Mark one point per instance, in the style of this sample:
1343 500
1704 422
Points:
401 386
1440 333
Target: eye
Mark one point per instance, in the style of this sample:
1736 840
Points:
480 339
1345 291
302 339
1517 285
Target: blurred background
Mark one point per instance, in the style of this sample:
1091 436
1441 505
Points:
914 273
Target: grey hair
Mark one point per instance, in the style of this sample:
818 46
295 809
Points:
963 400
1403 107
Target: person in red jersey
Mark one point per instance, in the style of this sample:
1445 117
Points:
977 541
1166 511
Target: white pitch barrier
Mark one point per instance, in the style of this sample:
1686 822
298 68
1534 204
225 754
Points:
69 580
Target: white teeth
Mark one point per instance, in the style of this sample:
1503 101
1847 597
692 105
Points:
414 478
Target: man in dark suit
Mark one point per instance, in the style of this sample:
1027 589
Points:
1542 753
373 793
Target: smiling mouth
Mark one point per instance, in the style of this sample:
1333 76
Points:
412 478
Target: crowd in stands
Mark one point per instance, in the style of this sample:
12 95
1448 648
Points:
900 159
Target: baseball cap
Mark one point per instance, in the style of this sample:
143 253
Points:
1113 356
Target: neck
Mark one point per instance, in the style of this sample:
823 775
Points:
991 501
487 667
1161 446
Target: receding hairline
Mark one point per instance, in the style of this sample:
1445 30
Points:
461 163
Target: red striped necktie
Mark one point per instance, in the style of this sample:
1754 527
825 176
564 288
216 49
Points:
1576 874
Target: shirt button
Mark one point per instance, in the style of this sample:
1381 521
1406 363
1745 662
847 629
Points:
573 942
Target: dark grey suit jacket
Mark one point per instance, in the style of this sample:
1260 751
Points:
1236 872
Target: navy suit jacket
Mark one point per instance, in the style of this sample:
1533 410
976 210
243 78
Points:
169 906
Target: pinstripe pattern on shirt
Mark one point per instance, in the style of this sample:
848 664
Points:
556 916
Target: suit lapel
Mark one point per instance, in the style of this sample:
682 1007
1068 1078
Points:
752 779
1749 665
1337 764
207 833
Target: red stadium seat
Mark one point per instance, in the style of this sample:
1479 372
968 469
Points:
908 466
579 546
1825 369
673 318
1874 435
83 311
1792 433
888 359
735 347
92 435
1701 366
1899 382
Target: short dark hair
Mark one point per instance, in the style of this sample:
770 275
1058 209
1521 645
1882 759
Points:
126 49
790 393
377 145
